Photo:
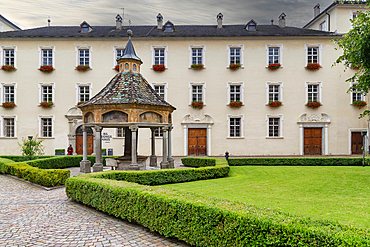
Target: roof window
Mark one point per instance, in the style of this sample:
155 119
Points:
168 27
85 27
251 25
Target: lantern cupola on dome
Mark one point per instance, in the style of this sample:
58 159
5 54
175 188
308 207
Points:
129 61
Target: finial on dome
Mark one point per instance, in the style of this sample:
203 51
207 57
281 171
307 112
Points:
129 33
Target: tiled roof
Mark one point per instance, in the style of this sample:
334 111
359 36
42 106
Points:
180 31
126 88
129 52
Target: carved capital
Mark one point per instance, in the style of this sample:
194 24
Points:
165 128
134 128
98 128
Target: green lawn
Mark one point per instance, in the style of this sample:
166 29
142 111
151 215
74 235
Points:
333 193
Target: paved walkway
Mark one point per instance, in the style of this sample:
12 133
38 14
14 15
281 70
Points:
31 216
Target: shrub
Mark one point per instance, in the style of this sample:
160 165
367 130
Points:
204 221
274 66
198 162
197 66
159 67
313 104
59 152
295 161
31 147
197 104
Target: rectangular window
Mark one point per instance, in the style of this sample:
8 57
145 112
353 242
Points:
159 56
274 55
312 55
197 56
9 94
84 93
47 57
46 127
235 55
313 93
121 132
197 93
322 26
160 89
47 94
9 127
235 93
9 57
234 127
274 127
274 92
356 96
84 56
119 53
158 132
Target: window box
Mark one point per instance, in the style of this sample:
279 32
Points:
313 66
197 66
159 67
313 104
274 66
197 104
83 67
116 68
8 68
353 66
359 103
9 105
234 66
235 104
81 102
275 103
46 104
46 68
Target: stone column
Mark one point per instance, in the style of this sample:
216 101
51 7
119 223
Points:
85 165
98 166
171 161
164 163
134 165
153 157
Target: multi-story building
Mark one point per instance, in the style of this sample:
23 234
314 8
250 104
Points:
255 128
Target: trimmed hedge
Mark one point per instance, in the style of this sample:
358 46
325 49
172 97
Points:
20 158
204 221
296 161
198 162
48 178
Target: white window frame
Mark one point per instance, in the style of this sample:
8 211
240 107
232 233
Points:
241 84
362 95
42 84
241 47
320 90
2 53
78 85
153 48
40 136
191 84
158 133
352 11
2 91
280 46
203 47
306 46
77 51
241 126
281 120
52 48
2 117
280 84
165 84
115 48
116 133
320 25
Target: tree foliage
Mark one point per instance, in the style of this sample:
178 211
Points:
31 147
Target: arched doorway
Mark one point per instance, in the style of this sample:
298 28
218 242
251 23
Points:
79 141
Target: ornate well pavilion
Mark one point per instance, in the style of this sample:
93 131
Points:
129 102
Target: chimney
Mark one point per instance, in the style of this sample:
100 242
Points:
159 21
316 10
272 21
118 22
282 20
219 20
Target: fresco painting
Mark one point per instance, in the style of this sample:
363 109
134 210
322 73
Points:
150 117
115 117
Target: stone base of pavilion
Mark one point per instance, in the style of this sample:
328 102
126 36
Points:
125 163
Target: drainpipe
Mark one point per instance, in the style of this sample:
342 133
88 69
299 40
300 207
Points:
326 12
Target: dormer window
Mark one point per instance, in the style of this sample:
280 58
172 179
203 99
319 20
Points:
168 27
85 27
251 25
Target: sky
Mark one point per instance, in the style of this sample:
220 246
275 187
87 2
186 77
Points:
30 14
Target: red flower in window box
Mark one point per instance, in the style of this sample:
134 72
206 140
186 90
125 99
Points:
8 68
197 66
46 68
116 68
81 102
313 104
354 66
313 66
275 103
359 103
83 67
235 104
9 105
274 66
197 104
234 66
159 67
46 104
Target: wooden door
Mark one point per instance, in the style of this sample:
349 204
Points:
197 142
312 141
356 143
79 141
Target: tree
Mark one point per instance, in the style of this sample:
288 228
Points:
31 147
356 49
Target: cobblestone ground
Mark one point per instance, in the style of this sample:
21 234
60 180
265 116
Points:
31 216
